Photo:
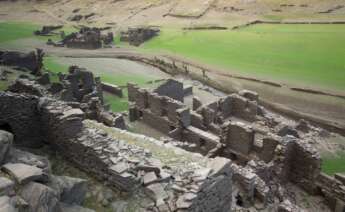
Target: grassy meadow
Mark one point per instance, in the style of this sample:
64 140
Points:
334 164
12 31
304 55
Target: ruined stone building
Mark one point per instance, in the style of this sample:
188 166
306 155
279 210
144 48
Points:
137 35
226 154
86 38
266 151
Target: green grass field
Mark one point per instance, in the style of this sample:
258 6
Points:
304 55
334 164
117 104
11 31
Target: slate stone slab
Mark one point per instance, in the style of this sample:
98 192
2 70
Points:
23 173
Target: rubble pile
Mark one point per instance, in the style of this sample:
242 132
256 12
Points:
26 182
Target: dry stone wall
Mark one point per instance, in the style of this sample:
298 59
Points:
19 114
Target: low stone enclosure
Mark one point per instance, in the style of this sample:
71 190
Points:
236 127
137 35
86 38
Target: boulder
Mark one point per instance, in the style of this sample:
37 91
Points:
71 190
40 198
5 205
19 156
23 173
6 186
6 140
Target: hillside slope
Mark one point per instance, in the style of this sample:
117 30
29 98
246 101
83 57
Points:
173 13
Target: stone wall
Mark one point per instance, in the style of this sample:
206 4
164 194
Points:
269 145
305 166
28 87
203 141
160 123
113 89
31 61
171 88
160 112
240 138
243 108
19 113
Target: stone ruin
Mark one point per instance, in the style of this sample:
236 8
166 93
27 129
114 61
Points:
47 30
86 38
168 178
266 152
32 61
137 35
227 155
79 88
